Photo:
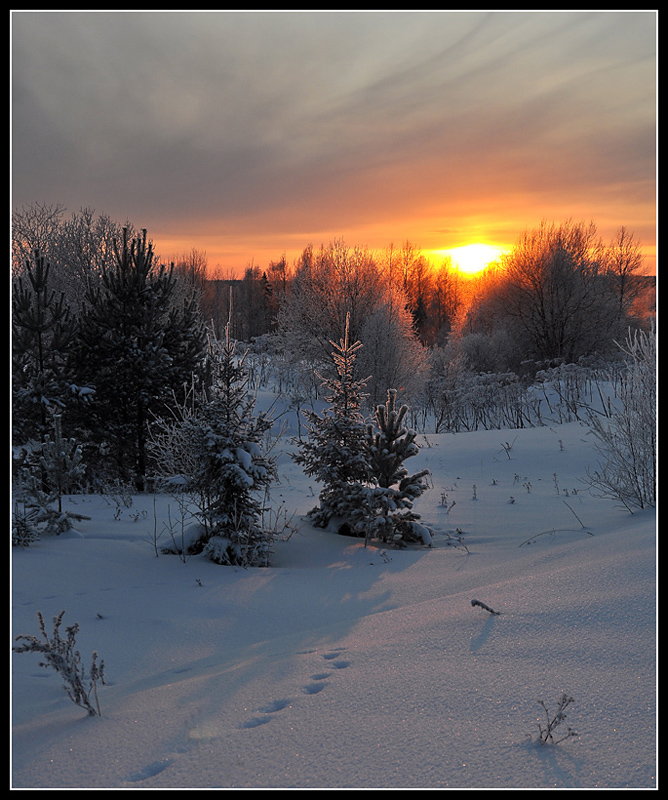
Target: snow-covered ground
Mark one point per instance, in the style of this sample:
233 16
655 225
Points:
346 666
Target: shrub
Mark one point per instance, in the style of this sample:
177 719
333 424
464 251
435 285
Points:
627 440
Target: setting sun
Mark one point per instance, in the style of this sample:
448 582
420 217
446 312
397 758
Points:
471 259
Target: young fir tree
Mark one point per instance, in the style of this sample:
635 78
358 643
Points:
43 332
335 451
215 452
136 347
390 444
44 477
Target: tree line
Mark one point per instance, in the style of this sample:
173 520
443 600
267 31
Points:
107 336
560 294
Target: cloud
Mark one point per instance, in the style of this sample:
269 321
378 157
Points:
295 122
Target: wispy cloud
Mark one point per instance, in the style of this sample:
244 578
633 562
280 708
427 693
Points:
252 125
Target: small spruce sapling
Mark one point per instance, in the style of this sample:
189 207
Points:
215 451
390 444
45 475
335 450
61 461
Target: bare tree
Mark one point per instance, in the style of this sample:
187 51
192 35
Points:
624 261
446 301
253 304
83 250
193 267
34 228
279 274
328 285
554 291
392 356
407 269
78 249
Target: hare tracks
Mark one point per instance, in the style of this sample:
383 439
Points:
317 684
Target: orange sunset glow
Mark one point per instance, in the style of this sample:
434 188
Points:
456 131
471 259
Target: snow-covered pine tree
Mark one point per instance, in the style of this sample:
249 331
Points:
390 445
335 451
217 447
43 332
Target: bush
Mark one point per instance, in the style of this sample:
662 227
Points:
627 440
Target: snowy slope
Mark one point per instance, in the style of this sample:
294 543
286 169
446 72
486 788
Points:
346 666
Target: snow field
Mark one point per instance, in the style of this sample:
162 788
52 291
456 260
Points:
346 666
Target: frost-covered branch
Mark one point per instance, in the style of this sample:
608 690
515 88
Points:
627 440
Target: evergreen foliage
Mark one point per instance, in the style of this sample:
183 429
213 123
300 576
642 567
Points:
136 347
42 338
213 450
43 476
366 487
62 462
390 444
335 452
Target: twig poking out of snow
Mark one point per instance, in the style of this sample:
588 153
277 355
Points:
552 531
554 720
486 607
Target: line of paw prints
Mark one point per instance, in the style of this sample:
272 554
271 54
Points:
317 684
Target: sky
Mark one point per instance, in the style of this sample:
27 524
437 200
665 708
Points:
249 135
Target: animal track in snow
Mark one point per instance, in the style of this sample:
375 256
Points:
333 654
314 688
150 770
269 708
276 705
255 722
319 681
